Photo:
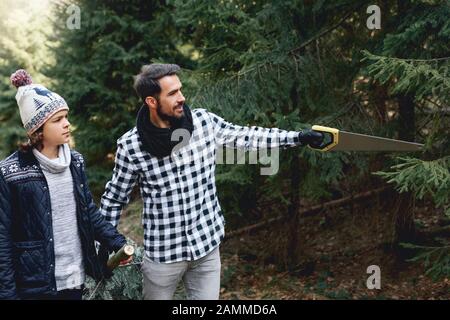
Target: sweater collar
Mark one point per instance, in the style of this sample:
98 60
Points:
57 165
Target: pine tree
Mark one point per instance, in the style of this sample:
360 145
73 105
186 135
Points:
95 65
277 64
413 65
22 45
291 64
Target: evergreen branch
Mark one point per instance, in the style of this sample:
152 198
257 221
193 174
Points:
425 60
414 246
409 75
294 51
421 178
372 56
435 103
95 290
415 60
328 30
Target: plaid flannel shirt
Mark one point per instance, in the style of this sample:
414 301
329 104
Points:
182 217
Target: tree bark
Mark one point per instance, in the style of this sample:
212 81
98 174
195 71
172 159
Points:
292 253
407 124
405 230
405 102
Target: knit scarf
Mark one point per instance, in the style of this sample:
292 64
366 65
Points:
157 141
57 165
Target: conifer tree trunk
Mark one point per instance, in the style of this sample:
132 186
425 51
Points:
293 213
404 213
404 221
406 118
404 218
294 206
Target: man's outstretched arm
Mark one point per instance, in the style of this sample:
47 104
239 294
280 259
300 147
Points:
252 138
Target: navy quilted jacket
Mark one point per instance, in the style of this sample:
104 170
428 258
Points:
26 237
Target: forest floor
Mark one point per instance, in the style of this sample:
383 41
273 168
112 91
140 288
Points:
335 250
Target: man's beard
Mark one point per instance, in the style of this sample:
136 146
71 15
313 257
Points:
174 121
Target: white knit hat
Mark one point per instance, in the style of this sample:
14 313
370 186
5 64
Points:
36 103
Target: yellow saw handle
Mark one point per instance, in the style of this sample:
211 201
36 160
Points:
331 138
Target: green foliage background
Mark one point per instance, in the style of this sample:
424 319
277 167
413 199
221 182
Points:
287 64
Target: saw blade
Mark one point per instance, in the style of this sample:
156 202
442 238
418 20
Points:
349 141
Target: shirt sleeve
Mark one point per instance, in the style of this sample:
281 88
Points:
118 189
251 138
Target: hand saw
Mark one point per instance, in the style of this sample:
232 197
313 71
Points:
337 140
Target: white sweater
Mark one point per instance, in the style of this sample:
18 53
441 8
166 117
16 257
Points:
69 267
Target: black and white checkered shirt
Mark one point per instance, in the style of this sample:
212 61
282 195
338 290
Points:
182 217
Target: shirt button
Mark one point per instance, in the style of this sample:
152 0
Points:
82 185
51 239
48 213
45 188
78 164
51 265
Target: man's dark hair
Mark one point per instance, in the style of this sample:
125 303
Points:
146 83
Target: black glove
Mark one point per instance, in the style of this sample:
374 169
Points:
311 138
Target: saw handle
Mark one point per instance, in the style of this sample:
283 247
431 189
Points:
331 138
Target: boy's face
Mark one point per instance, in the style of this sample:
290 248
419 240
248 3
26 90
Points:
56 130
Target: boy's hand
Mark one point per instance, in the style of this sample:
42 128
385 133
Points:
126 261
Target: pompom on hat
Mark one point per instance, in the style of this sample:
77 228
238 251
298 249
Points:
36 103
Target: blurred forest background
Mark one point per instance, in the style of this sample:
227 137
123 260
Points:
311 230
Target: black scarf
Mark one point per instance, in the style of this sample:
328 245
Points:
157 141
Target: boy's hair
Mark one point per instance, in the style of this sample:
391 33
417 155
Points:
146 83
34 141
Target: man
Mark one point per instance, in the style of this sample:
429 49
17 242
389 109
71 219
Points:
183 223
